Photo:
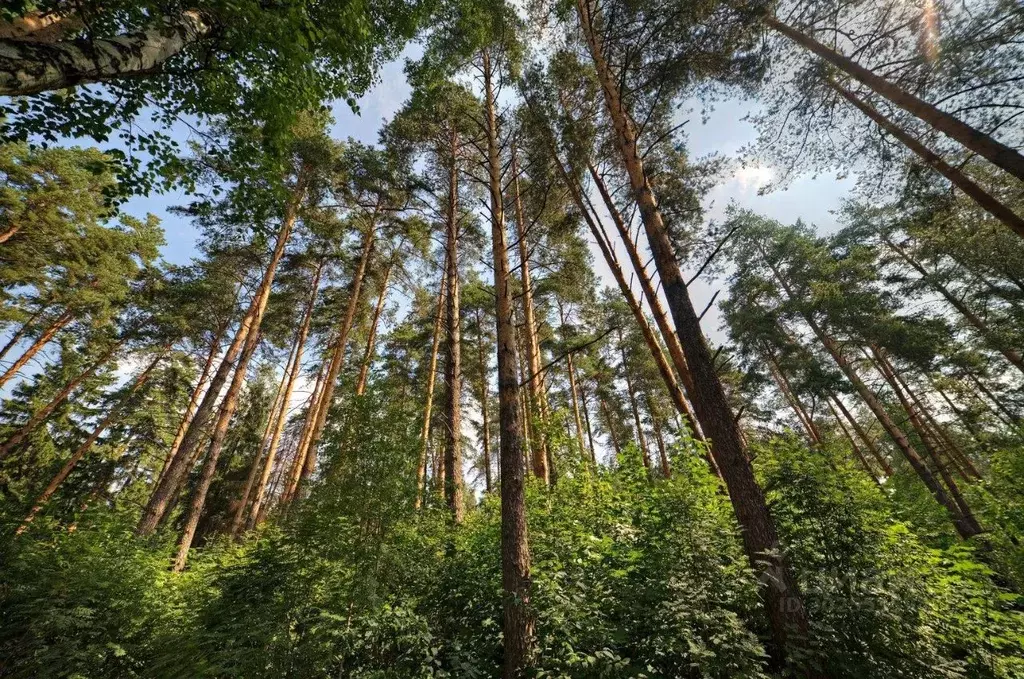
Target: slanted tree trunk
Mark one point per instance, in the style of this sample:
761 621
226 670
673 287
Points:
258 503
853 444
220 431
586 421
162 496
641 439
675 350
87 445
1011 355
787 391
193 401
40 416
517 624
364 369
453 352
783 600
972 139
421 472
659 436
44 338
308 448
534 381
291 481
610 424
868 441
29 67
20 333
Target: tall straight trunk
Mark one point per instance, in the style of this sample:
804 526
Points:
659 436
291 479
220 431
1011 355
610 423
586 421
575 400
453 352
984 199
517 624
668 333
193 401
20 333
44 338
534 381
853 444
112 415
33 66
641 439
973 139
41 415
281 420
323 405
964 525
952 488
485 397
364 369
868 441
783 600
421 472
787 391
250 325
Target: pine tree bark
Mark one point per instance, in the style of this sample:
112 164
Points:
20 333
485 397
668 333
1011 355
659 436
983 198
40 416
220 431
439 313
44 338
610 423
291 480
574 399
257 511
783 600
364 369
169 481
453 351
112 415
853 444
539 444
308 448
984 145
868 441
787 391
29 67
517 625
586 421
641 439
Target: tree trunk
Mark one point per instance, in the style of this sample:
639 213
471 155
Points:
641 439
453 354
87 445
364 369
868 441
784 603
301 445
659 436
421 472
220 431
586 421
610 423
853 445
534 382
193 399
20 333
574 399
975 140
787 391
30 67
517 623
40 416
668 333
967 516
281 420
1011 355
60 323
250 325
484 406
326 400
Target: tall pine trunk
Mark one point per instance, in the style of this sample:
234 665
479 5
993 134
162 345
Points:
517 623
439 312
378 309
783 600
972 139
453 350
44 338
166 489
485 397
868 441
